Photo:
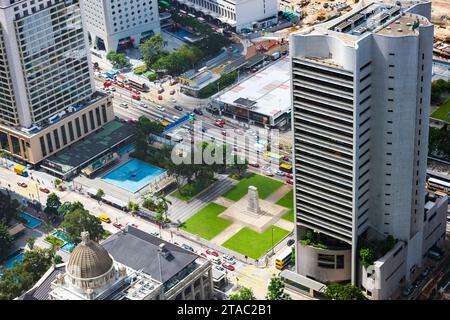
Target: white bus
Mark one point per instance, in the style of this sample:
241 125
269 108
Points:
438 185
283 258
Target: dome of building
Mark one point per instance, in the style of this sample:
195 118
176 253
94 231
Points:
89 260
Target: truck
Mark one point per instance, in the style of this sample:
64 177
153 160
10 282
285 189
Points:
21 171
275 56
135 96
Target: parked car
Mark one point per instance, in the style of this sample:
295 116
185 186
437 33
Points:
143 105
220 268
124 105
172 92
228 266
44 190
179 108
198 111
22 184
229 259
254 164
268 173
187 247
290 242
203 255
289 175
160 97
289 181
204 129
160 90
212 252
285 158
215 260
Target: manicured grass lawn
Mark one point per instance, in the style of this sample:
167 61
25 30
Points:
205 223
265 187
288 202
252 243
442 112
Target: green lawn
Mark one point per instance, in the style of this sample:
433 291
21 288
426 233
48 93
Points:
442 112
252 243
205 223
265 187
288 202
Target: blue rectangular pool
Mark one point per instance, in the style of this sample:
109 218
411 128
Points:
32 222
17 258
133 175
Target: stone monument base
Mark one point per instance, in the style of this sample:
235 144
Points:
269 214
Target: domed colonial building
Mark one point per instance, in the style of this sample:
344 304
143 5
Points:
129 265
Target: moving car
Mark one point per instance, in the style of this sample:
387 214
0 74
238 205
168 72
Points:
160 90
268 173
143 105
124 105
289 181
160 97
254 164
118 225
22 184
44 190
104 218
179 108
289 175
280 173
285 158
173 100
198 111
212 252
172 92
218 124
228 266
160 108
175 117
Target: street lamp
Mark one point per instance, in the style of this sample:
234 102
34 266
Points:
273 250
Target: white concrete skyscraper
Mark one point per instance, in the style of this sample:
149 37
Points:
361 96
45 78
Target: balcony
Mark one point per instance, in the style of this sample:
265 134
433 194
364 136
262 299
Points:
322 143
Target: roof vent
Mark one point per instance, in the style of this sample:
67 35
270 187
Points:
408 24
397 22
400 30
388 28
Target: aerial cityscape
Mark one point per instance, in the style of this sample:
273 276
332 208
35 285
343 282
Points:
225 150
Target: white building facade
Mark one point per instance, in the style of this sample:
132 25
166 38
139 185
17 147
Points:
235 14
119 24
361 93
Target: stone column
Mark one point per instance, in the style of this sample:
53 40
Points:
202 290
253 200
193 291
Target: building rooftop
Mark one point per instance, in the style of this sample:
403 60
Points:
140 251
82 151
269 90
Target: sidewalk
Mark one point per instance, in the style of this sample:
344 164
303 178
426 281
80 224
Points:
279 193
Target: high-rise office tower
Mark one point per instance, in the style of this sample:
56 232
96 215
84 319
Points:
361 95
45 79
116 24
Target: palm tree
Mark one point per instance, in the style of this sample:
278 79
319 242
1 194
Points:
133 207
100 193
163 205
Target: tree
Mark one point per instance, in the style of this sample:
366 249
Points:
22 276
8 208
133 207
366 256
57 182
5 239
53 204
151 49
4 156
67 207
100 193
118 60
239 164
243 294
80 220
30 243
163 206
276 290
337 291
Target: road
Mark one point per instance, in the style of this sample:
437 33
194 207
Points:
247 275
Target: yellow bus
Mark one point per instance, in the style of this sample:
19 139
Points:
272 156
438 185
286 168
283 259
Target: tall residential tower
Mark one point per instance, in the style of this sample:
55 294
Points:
361 96
45 80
